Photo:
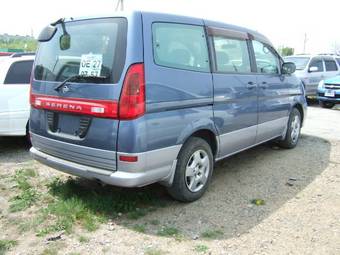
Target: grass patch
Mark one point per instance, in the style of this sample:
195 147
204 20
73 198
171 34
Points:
153 251
83 239
28 194
50 251
212 234
168 231
5 245
72 202
201 248
154 222
139 228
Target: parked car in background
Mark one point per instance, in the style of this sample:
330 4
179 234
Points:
311 69
329 92
15 73
144 98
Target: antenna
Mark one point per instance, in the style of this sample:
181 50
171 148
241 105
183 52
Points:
120 3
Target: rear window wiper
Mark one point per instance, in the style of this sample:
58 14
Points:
79 78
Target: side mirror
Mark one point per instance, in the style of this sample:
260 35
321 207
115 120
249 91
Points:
313 69
65 42
288 68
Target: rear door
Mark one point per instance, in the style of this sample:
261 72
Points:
274 93
235 90
314 77
78 120
14 105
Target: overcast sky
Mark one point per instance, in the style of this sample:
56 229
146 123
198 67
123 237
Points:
284 22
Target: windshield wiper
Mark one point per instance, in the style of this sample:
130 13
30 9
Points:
79 78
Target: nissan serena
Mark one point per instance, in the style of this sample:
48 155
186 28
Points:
140 98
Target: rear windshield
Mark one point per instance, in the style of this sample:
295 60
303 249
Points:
300 62
96 48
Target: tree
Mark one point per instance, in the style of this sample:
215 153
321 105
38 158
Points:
286 51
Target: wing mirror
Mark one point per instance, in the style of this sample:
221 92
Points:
313 69
288 68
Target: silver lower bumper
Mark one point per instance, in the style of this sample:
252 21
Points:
128 176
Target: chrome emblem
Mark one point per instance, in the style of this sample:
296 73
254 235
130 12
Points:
65 89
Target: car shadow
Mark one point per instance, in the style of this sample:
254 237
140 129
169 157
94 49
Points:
14 150
265 172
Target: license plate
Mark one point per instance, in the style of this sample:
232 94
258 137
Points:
329 93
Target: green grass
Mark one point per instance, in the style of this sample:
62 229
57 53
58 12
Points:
83 239
5 245
154 222
27 195
141 228
72 203
168 231
201 248
212 234
153 251
50 251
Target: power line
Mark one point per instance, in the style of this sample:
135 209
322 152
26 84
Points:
120 3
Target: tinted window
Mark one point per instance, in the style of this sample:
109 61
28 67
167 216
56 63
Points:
180 46
19 73
97 48
317 63
300 62
330 65
266 59
338 60
231 55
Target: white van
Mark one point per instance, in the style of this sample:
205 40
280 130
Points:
15 73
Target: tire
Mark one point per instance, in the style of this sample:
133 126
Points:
293 130
195 164
327 105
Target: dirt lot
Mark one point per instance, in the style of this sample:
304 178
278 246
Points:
45 212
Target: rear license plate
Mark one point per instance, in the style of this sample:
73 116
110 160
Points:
329 93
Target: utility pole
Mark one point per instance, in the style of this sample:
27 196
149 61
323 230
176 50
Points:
305 43
120 3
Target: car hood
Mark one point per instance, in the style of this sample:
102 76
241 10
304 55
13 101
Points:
333 80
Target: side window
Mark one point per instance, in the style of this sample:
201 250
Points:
330 65
338 60
19 73
231 55
317 62
180 46
266 60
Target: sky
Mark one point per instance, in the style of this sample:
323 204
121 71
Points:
284 22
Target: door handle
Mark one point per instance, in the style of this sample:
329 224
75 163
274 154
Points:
264 85
251 85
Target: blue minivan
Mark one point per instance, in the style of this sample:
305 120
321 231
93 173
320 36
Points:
145 97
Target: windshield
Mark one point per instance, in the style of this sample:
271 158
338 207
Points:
300 62
96 48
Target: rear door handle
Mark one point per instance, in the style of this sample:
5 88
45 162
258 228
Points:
251 85
264 85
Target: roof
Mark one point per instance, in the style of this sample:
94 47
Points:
176 17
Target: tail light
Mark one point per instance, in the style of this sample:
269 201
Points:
131 104
132 98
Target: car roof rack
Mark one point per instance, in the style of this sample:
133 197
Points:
21 54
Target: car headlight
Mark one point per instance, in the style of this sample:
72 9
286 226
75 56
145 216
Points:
321 85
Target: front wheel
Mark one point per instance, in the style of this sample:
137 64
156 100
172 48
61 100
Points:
327 105
293 130
193 171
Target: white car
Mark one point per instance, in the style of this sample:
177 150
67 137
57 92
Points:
15 73
311 69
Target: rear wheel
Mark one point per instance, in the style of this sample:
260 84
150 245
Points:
193 171
327 105
293 130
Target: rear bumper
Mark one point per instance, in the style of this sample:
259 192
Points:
128 174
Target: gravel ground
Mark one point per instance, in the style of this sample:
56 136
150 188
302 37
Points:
301 214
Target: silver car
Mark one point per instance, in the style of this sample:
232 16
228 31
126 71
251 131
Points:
311 69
